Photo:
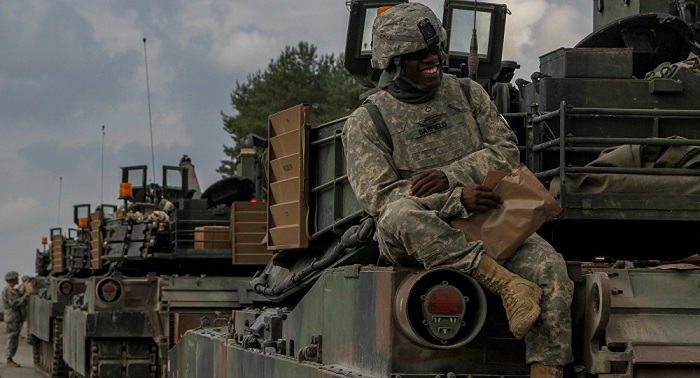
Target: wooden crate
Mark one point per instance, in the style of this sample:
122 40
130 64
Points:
248 229
57 255
96 240
206 237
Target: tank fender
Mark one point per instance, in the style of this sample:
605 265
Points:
596 356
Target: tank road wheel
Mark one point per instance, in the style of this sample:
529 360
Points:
94 361
36 353
119 358
59 369
41 352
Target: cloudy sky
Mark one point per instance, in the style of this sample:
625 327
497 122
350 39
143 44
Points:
68 67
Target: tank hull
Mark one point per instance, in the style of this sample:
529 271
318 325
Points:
130 336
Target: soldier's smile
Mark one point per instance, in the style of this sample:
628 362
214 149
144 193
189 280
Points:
424 72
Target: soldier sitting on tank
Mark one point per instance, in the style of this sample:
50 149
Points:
14 302
441 145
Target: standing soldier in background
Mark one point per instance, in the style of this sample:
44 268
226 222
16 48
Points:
13 302
26 288
416 153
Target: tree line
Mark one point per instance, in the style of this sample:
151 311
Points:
298 75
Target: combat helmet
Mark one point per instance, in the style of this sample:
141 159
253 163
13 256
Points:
11 276
403 29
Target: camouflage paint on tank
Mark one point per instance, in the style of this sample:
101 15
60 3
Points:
325 335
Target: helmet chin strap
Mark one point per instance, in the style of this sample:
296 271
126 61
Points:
399 68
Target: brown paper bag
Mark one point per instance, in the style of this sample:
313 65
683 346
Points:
527 204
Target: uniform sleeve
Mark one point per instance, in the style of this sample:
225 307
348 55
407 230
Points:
12 299
371 172
374 177
500 148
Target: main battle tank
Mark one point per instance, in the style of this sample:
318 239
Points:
610 126
156 266
61 274
630 249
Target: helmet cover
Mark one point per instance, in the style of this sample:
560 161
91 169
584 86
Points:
11 276
396 32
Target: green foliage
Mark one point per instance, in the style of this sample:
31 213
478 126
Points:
297 76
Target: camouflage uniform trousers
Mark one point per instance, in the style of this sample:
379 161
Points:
408 234
549 340
12 328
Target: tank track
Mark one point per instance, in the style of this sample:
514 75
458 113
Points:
48 355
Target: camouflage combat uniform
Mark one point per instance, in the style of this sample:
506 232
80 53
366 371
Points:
14 302
465 139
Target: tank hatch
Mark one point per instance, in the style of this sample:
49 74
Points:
654 38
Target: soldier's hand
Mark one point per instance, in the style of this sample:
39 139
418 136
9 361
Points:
429 182
478 199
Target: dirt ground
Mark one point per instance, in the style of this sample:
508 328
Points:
23 357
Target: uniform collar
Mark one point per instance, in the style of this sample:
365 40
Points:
387 83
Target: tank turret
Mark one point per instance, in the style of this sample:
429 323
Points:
606 12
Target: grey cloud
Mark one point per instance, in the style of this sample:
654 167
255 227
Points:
51 65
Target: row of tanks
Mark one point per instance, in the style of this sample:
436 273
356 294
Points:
182 283
120 289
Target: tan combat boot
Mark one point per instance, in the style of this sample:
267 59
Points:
544 371
520 297
11 363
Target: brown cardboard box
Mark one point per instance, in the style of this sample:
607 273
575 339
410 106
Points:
249 227
288 135
205 237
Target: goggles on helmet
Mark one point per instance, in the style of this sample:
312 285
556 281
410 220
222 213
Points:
422 54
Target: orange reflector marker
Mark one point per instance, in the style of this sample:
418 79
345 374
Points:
82 222
125 190
383 9
44 240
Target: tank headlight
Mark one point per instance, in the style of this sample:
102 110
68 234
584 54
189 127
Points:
440 308
66 287
443 311
109 290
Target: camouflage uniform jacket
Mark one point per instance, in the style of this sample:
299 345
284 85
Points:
465 139
13 302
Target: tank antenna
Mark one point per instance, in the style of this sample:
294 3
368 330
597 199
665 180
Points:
60 185
102 173
473 60
150 123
